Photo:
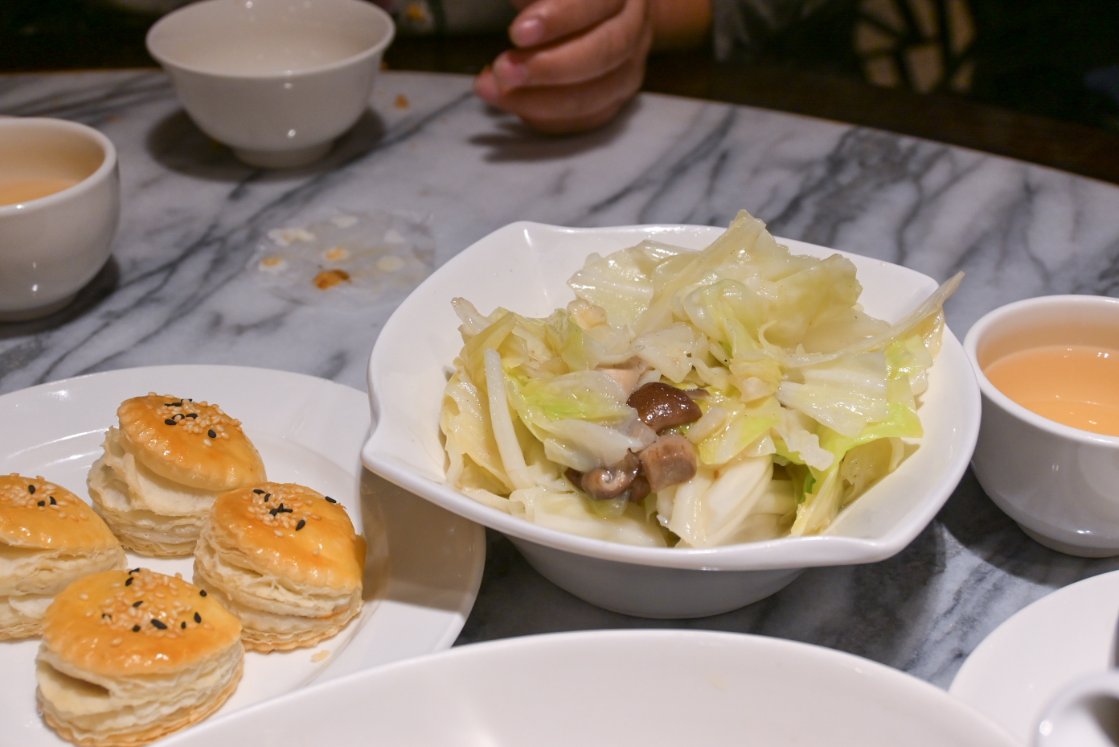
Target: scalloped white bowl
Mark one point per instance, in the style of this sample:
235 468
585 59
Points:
524 267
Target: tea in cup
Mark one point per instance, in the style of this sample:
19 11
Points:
1048 449
59 208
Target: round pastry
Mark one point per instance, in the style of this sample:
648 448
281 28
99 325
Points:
130 656
48 538
286 560
162 468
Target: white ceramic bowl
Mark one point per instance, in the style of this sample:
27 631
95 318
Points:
524 267
276 80
52 245
1060 484
648 688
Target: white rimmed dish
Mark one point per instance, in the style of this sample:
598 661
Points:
629 687
1059 483
307 430
277 81
1039 651
524 267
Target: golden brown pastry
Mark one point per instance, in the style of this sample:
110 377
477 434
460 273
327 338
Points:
131 656
48 538
162 468
286 560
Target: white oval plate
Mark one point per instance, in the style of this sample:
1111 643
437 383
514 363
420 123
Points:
525 267
308 430
653 688
1019 667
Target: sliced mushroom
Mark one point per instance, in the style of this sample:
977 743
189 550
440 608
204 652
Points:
669 460
661 406
627 374
604 483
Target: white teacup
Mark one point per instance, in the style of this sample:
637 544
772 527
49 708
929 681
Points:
277 81
1059 482
1083 714
59 208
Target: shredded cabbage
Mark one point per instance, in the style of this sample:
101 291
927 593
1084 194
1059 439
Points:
806 401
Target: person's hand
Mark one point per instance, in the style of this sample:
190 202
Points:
574 63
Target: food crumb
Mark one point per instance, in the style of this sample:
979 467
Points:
401 101
330 278
336 254
344 220
288 236
320 656
391 263
272 264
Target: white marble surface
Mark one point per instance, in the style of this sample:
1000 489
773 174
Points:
180 289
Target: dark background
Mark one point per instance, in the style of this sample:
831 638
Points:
1041 84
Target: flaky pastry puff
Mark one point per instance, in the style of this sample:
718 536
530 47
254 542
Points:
286 560
48 538
162 468
130 656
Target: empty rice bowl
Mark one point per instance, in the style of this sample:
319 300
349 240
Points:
721 689
421 339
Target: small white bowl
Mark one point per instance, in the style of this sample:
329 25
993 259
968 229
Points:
654 688
1059 483
524 267
59 209
276 80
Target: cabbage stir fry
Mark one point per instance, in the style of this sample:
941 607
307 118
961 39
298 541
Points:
689 398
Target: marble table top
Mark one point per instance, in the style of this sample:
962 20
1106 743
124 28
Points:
179 290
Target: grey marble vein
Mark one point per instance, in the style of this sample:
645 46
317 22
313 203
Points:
180 289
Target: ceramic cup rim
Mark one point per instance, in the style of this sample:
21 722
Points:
107 166
167 25
992 394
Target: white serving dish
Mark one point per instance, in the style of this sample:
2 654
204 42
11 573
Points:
424 564
629 687
524 267
1039 651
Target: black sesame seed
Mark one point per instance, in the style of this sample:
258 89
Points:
302 523
330 500
53 501
183 625
41 503
134 570
211 433
169 421
138 602
135 628
191 415
31 489
106 616
202 592
128 581
197 617
158 624
258 491
174 404
267 497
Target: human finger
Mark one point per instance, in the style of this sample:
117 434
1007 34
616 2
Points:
569 108
583 57
546 21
